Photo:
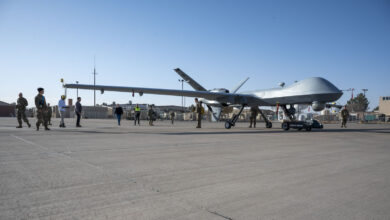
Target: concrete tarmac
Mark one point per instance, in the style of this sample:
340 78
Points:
103 171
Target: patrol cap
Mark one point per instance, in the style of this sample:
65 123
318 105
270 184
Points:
40 89
63 97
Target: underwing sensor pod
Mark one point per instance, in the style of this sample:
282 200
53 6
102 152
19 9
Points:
318 106
315 91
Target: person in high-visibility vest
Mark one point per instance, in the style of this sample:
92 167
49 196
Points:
137 114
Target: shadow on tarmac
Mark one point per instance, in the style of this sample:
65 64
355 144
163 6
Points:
207 131
373 130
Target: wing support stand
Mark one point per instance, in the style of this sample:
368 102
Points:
232 122
289 113
293 123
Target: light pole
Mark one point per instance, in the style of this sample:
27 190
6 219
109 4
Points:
77 90
364 92
94 85
182 87
350 90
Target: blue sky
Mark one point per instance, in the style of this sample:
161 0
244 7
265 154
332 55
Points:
219 43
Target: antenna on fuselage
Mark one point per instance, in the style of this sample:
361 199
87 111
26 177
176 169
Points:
240 85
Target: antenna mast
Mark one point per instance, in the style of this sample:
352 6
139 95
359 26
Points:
94 82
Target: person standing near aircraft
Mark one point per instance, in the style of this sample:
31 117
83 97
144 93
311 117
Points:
49 113
40 104
119 113
254 113
137 114
78 110
172 114
62 109
151 115
21 110
344 116
199 110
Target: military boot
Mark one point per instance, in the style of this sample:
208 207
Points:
37 127
28 124
46 128
20 126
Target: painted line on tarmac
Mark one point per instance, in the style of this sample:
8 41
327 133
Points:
56 153
29 142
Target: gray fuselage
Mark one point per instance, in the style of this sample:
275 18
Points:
307 91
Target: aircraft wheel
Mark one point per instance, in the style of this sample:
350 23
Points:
285 126
308 128
228 124
268 125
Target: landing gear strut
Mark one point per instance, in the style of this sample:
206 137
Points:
232 122
268 124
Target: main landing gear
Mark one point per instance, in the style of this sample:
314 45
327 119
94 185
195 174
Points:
293 123
232 122
268 124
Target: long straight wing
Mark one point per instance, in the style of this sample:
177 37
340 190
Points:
218 96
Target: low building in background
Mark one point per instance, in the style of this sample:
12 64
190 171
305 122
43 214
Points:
384 105
7 110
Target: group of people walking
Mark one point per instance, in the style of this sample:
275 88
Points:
44 110
137 114
152 114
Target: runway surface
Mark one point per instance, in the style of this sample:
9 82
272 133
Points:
103 171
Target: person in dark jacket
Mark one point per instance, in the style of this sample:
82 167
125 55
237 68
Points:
254 113
172 114
78 110
151 115
119 113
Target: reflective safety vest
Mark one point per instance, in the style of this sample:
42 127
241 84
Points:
137 109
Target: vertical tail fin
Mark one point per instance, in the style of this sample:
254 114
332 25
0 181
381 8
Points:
190 81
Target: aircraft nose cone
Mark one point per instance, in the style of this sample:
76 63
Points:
320 86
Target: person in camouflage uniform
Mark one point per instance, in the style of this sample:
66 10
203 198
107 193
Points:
254 113
49 113
151 115
40 104
198 110
21 110
344 116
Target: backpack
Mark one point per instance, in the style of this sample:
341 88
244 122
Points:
201 110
